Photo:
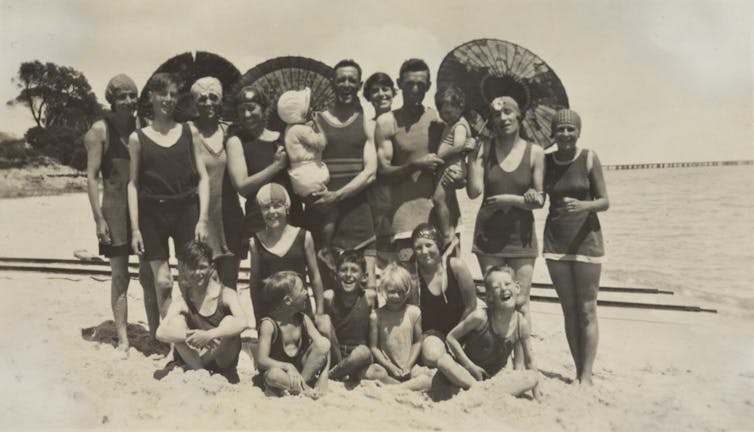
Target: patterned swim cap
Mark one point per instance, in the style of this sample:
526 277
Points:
501 102
273 193
206 85
565 117
120 82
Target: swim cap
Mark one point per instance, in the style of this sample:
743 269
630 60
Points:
273 193
120 82
249 94
565 117
426 231
501 102
293 105
206 85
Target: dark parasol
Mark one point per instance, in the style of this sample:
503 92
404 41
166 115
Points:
487 68
276 76
189 67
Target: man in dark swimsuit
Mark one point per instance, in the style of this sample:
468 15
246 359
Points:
405 157
351 158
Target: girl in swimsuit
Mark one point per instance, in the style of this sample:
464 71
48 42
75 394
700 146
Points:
509 171
280 246
483 341
293 355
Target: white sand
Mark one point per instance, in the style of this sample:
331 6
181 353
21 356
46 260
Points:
655 370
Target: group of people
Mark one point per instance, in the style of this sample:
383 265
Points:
350 225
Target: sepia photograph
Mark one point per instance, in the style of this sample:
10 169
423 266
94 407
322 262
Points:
377 215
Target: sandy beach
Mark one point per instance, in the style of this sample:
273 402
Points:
663 371
655 370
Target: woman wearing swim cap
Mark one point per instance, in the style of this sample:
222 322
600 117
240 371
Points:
510 171
446 296
107 153
256 156
573 246
280 246
168 191
224 212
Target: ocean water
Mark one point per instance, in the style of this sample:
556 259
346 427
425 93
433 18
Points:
690 230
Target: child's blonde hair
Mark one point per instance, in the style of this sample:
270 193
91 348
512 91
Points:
395 275
496 269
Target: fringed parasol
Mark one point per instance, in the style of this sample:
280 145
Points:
276 76
189 68
487 68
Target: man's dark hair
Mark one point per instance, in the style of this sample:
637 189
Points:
413 65
195 252
160 81
346 63
451 94
351 256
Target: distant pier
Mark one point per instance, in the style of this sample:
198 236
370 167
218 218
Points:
656 165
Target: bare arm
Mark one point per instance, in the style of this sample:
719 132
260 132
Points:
203 187
255 278
313 270
596 178
383 137
416 346
465 284
459 144
134 151
374 344
263 360
475 185
94 141
234 324
472 322
238 171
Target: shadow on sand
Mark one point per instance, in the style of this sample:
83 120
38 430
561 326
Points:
138 337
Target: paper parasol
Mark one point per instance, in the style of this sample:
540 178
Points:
188 68
487 68
276 76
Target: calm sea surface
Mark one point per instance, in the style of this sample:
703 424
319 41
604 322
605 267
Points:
690 230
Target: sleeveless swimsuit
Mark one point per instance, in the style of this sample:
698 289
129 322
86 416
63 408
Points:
277 350
344 157
486 349
571 236
115 168
269 263
440 313
168 204
508 234
351 325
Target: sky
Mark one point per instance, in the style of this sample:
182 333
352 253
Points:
654 81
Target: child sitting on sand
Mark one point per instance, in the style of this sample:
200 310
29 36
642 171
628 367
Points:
293 355
304 144
455 144
395 334
206 321
483 341
349 306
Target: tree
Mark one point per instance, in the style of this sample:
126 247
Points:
56 95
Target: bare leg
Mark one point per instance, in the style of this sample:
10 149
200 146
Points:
357 360
517 382
163 284
146 279
442 212
118 299
376 372
524 269
587 281
562 278
435 355
371 262
315 358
